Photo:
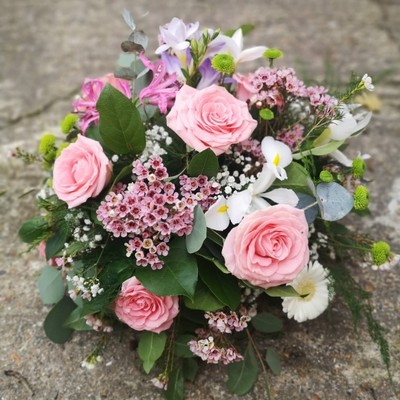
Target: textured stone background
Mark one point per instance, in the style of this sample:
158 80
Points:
48 47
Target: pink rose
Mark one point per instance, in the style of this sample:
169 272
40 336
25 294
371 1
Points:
269 247
81 171
210 118
91 90
143 310
245 90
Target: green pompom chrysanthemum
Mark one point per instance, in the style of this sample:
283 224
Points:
68 123
47 143
380 252
326 176
361 198
358 167
223 63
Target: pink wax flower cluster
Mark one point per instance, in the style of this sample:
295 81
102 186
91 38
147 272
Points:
81 171
292 136
269 247
210 118
144 311
91 90
219 321
150 210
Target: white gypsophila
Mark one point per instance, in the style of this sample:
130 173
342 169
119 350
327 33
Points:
314 281
154 136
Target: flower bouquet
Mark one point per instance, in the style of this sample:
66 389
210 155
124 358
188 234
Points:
186 198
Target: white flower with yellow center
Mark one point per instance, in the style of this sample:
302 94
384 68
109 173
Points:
277 155
313 284
255 197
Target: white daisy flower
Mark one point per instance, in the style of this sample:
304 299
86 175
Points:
314 282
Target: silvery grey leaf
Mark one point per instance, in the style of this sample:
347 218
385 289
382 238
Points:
139 38
304 201
334 201
126 15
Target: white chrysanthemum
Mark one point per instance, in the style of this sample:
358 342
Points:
314 281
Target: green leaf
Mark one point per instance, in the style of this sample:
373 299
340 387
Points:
76 321
196 238
246 28
181 346
273 360
175 388
178 276
282 291
267 323
151 346
206 254
320 150
190 368
33 229
204 163
121 127
54 322
267 114
223 286
203 299
125 171
215 237
243 375
297 179
51 285
56 242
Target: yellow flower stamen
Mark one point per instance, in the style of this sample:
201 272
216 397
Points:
223 209
276 160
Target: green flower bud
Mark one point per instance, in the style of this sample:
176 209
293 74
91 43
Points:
380 252
358 167
361 198
61 148
326 176
47 143
223 63
273 53
68 123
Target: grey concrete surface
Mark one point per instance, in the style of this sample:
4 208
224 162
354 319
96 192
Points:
48 47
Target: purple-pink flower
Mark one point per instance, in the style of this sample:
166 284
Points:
91 89
162 89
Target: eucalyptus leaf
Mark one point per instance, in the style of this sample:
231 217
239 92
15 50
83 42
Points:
178 276
121 127
204 163
196 238
54 322
305 202
273 360
334 201
51 285
151 346
243 375
266 323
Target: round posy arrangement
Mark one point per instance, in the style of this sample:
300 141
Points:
185 195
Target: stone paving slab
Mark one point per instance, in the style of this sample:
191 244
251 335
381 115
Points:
48 47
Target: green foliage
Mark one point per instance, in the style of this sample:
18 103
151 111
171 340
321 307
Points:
76 321
196 238
243 375
178 275
273 360
121 127
181 346
204 163
56 242
282 291
150 349
203 299
175 390
223 286
266 323
246 28
297 179
190 368
51 285
33 230
54 322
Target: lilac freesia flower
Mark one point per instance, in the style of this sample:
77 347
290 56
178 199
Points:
162 89
175 35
